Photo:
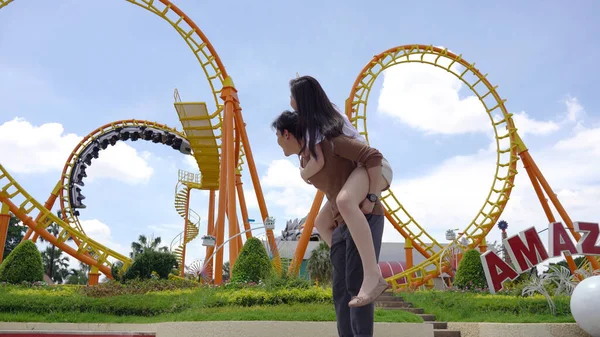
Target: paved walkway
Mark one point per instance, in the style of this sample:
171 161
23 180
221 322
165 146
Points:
227 328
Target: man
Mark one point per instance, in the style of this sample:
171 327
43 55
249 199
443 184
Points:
341 155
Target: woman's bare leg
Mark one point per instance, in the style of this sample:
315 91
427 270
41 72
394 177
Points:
324 223
355 190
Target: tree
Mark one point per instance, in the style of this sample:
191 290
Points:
55 264
470 272
579 261
319 264
253 263
144 244
79 275
24 263
226 272
15 234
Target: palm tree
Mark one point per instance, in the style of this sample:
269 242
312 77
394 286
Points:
55 264
144 244
226 272
319 265
80 275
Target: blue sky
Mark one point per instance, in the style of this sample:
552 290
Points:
81 64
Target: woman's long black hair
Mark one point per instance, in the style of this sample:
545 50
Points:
315 112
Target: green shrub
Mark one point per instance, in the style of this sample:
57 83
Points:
138 305
249 297
253 263
136 287
470 272
286 281
150 261
23 264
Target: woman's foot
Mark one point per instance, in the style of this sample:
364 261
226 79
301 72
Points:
369 296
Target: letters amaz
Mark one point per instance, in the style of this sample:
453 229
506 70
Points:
526 251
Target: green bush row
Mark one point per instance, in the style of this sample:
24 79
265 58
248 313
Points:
45 300
470 302
247 297
136 286
136 305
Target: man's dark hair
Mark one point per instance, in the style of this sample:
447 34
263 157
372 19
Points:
287 120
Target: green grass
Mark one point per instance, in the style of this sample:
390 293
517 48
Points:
481 307
69 304
282 312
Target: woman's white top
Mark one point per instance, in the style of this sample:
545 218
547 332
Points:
348 130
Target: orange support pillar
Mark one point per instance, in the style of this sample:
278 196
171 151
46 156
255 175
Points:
306 232
240 125
408 251
93 276
48 205
243 209
483 246
4 222
210 231
229 95
536 177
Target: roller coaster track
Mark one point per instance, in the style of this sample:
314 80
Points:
216 75
506 141
22 204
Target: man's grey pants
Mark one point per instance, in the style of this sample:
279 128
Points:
347 279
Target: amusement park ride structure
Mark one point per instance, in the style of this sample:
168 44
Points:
219 143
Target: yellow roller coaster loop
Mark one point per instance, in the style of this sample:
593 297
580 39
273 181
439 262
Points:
504 133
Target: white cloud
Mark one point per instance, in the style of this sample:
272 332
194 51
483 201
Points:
574 110
527 125
123 163
450 195
283 187
428 98
101 233
25 148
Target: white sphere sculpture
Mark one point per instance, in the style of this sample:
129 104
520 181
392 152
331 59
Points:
585 305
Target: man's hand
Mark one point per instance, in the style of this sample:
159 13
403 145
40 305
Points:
367 206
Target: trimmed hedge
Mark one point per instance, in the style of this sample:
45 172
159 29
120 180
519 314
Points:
23 264
465 303
470 272
247 297
163 263
253 263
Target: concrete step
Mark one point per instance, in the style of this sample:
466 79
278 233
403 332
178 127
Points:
389 298
446 333
412 310
393 304
427 317
438 325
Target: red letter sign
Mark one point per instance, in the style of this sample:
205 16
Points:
526 254
496 271
587 244
559 240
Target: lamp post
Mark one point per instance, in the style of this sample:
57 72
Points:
210 241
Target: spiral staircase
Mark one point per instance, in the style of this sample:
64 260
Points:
191 231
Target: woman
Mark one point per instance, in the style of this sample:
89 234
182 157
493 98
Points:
319 119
